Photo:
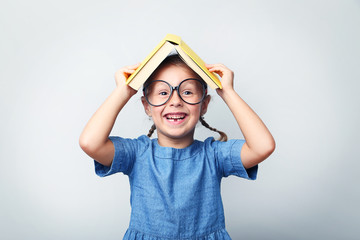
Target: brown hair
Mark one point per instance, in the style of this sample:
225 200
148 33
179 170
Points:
223 137
177 61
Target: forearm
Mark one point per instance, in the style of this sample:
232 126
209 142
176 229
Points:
97 130
259 140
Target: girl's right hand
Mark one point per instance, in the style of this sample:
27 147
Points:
122 75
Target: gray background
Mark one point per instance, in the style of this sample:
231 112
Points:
296 64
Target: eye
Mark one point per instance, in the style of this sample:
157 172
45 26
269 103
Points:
187 92
163 93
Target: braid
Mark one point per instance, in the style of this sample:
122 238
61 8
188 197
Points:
151 131
223 136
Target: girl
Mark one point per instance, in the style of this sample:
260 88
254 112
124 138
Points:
174 179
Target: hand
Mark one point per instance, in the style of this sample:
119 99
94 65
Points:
122 75
227 76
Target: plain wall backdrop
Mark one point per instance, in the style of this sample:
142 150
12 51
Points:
296 64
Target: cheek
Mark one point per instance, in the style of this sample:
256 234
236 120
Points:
196 111
155 112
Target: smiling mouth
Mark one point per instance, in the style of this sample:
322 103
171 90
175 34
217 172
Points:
175 117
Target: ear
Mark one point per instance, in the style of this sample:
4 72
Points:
205 104
147 106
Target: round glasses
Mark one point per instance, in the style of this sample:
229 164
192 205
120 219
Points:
190 90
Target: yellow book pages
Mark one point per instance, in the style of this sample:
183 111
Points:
177 40
150 66
192 59
148 57
188 60
200 63
170 38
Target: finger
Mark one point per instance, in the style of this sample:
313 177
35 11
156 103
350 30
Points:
216 66
125 72
131 67
135 66
128 70
219 66
210 66
217 69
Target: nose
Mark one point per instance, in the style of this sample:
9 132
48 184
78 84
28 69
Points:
175 99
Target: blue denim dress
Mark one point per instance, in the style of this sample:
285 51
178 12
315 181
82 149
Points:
175 193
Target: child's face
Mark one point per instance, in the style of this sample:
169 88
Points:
175 121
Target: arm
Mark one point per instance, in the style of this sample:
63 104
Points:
259 143
94 138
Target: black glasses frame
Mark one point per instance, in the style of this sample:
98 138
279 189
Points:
204 85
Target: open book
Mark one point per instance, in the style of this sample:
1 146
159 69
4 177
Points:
167 46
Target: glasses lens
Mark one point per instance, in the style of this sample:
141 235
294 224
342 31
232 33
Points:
157 92
192 91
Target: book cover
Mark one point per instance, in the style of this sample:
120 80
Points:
161 51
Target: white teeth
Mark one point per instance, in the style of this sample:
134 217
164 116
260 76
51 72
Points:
175 117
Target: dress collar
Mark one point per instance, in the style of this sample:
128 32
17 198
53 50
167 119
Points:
176 154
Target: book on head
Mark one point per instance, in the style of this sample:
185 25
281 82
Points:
167 46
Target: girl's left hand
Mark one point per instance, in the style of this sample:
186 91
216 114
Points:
227 76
